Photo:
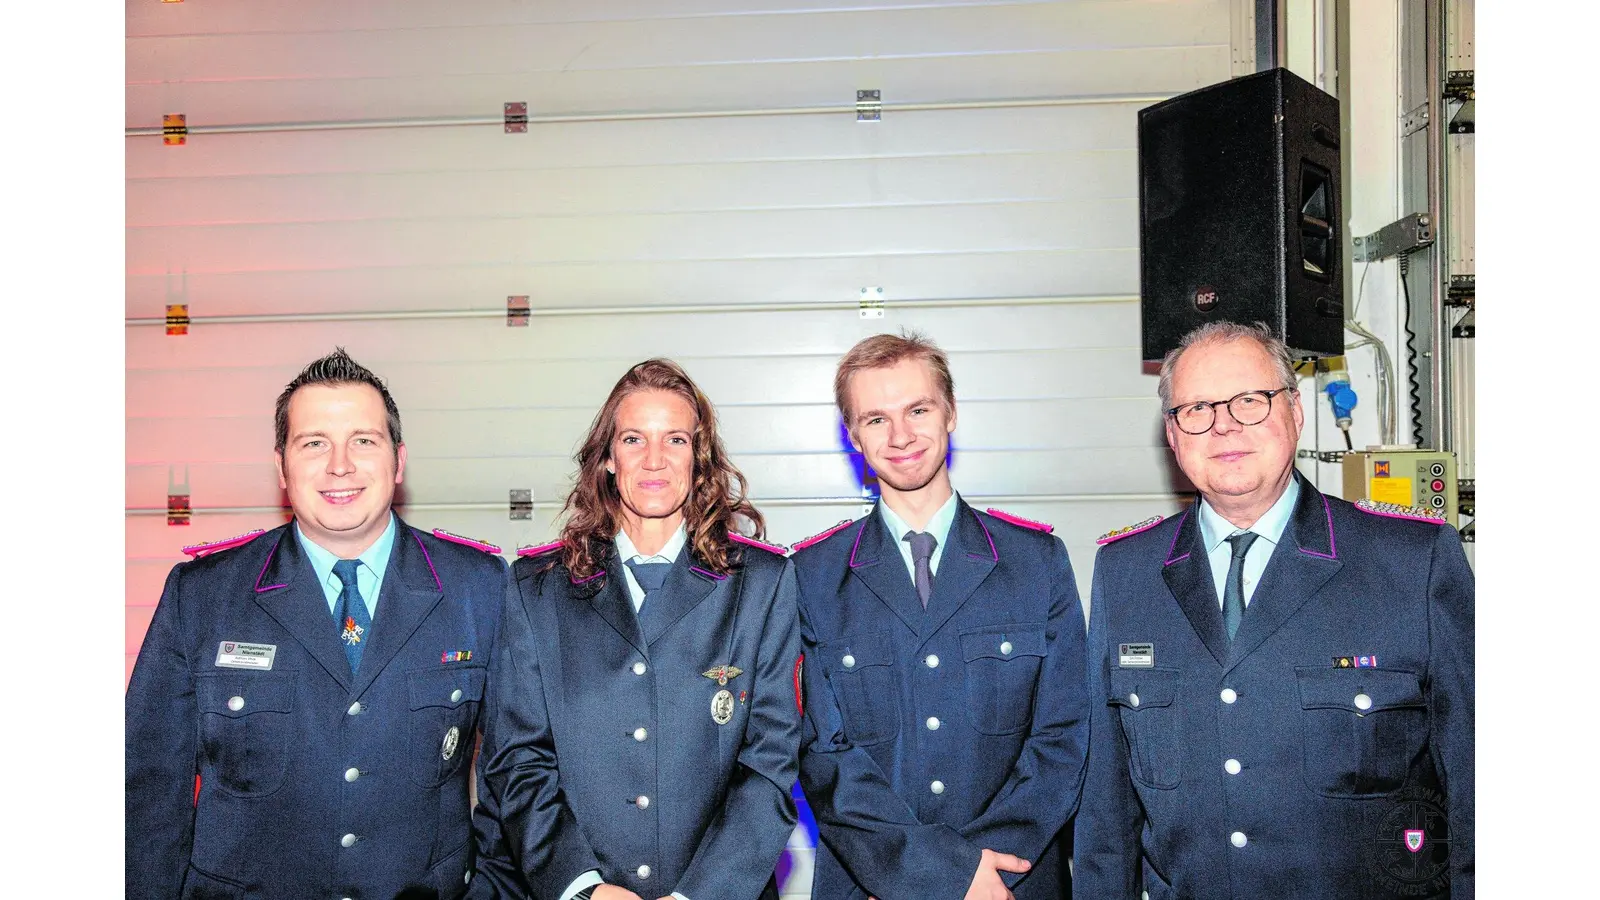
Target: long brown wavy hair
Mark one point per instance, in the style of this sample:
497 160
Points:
716 494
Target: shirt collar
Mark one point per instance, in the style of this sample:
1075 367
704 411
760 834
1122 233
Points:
938 526
669 552
1214 529
375 557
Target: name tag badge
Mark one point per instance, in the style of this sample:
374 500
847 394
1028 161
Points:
1136 656
239 655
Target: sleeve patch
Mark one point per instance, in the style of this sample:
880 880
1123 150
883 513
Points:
1004 516
199 550
1118 534
799 692
486 547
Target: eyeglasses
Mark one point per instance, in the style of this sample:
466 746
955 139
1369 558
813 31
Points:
1248 408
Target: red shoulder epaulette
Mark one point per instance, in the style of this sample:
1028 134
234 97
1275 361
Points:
1117 534
443 535
822 536
770 548
540 550
1004 516
1396 511
199 550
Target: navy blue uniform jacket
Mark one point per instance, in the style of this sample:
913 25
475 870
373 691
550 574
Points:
593 707
293 759
1266 768
904 809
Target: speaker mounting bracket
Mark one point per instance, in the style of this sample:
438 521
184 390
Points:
1403 236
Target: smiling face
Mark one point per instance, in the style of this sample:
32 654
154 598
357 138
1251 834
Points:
652 458
339 466
1241 470
901 427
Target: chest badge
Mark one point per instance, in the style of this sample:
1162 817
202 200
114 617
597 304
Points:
452 739
721 674
1136 656
722 707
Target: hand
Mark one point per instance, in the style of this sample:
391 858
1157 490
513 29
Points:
612 892
986 882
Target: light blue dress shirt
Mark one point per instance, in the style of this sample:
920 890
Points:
629 553
938 526
369 575
1215 531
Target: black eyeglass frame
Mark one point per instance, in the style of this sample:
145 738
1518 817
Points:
1213 404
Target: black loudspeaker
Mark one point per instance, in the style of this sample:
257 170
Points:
1239 213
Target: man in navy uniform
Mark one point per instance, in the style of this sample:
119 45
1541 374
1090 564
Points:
944 648
642 723
321 679
1282 680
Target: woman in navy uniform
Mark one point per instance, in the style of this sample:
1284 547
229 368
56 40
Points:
643 723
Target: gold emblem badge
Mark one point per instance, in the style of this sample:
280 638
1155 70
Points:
721 674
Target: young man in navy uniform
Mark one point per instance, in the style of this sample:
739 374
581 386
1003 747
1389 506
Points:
1282 681
321 679
944 649
643 726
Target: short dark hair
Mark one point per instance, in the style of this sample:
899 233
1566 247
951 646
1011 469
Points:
335 369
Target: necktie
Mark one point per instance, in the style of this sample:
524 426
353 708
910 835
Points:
355 623
922 545
649 575
1233 595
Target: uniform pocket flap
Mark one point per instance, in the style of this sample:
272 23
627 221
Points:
1003 641
235 695
1358 690
1143 688
446 686
856 653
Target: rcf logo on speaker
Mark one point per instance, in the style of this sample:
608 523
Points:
1205 298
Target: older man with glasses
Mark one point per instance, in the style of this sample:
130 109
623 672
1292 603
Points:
1281 681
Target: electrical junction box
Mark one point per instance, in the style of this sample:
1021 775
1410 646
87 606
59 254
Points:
1408 477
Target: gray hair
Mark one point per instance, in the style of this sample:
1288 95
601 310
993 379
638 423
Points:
1226 333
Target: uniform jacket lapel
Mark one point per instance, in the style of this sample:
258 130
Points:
288 591
1305 558
969 556
876 560
1188 576
610 599
411 589
688 582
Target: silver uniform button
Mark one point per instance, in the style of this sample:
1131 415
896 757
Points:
348 840
455 696
642 872
1363 702
937 787
933 723
466 877
1232 767
1238 839
1228 696
849 661
642 802
932 661
1005 648
639 734
236 703
352 773
1133 700
354 710
639 668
